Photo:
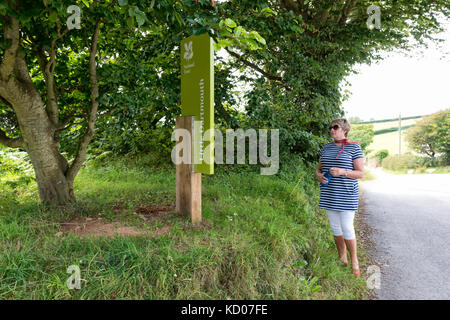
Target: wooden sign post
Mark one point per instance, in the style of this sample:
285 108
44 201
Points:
189 183
197 110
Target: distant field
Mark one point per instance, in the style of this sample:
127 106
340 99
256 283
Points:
389 140
386 125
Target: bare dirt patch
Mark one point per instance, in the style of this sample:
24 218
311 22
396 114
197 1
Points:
97 227
153 213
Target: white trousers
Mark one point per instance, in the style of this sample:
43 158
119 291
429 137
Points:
341 223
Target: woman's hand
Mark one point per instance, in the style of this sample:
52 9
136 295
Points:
321 178
336 172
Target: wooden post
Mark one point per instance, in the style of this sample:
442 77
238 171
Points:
189 183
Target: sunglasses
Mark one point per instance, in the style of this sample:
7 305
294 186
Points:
335 127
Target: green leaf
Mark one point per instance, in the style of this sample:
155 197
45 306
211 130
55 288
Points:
86 2
258 38
130 22
178 19
230 23
140 16
268 12
140 19
123 3
238 31
316 288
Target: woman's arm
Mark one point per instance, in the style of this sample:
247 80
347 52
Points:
319 174
358 173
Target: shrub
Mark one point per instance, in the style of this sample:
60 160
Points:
401 162
380 155
430 136
410 161
428 162
14 161
363 134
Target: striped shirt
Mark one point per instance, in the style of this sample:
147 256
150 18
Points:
341 193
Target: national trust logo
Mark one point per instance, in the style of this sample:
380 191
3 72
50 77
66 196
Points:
188 52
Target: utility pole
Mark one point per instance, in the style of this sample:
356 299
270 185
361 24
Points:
400 134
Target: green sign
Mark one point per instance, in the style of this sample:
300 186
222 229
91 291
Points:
197 97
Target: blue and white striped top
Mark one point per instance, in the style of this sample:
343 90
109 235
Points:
341 193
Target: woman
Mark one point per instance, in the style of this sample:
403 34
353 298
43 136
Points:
339 198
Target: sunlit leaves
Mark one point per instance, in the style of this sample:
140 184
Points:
230 34
268 12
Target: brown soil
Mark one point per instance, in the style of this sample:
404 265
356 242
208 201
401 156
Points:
156 213
96 227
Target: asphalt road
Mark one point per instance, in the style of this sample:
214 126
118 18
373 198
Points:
410 215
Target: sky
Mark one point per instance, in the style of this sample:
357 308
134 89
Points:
412 86
416 85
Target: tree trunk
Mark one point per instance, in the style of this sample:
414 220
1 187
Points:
49 165
39 123
38 137
54 188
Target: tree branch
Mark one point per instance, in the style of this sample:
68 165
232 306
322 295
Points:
12 143
52 102
348 7
87 137
47 66
321 18
65 125
10 54
254 66
5 102
108 113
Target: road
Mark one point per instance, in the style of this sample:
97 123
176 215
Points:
410 215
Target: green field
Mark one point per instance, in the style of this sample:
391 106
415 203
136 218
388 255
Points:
389 140
393 124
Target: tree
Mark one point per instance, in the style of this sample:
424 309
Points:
311 47
56 83
363 134
36 41
431 135
58 78
355 120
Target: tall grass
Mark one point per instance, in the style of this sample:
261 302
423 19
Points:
262 237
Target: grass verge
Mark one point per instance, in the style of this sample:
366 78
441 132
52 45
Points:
434 170
262 237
